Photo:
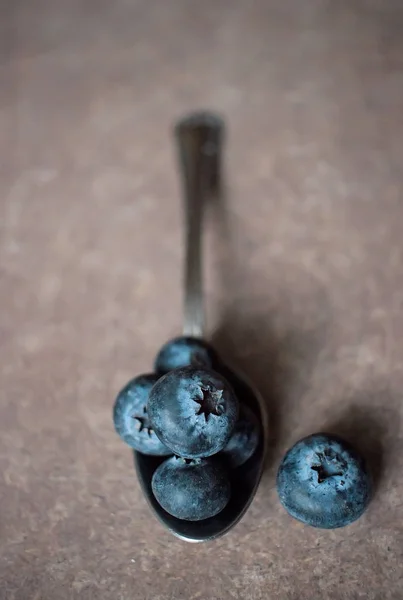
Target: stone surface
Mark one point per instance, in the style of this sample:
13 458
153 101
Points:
304 282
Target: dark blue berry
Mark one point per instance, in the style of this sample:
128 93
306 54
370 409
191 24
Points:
244 440
191 490
184 352
131 420
193 411
323 482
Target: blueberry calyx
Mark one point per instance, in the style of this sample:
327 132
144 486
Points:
188 461
143 422
330 465
211 402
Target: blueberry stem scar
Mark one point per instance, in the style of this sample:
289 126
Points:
325 469
210 403
144 422
324 473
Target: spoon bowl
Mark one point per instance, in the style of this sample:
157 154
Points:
244 479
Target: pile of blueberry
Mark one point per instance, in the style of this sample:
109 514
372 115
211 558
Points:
188 412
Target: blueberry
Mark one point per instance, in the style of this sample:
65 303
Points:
191 489
323 482
193 411
184 352
131 420
244 440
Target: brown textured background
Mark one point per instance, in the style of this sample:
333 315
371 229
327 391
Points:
304 286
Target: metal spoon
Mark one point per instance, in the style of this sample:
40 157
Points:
199 139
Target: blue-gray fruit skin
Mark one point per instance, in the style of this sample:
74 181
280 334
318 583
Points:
130 417
191 490
244 440
324 482
193 411
184 352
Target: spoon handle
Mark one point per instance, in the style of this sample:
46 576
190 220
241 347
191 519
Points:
199 141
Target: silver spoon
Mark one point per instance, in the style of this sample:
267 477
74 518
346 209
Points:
199 140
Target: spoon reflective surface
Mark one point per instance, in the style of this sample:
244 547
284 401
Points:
199 138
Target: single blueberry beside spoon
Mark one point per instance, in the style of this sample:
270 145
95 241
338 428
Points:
324 482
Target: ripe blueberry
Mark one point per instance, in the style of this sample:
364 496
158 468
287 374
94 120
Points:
193 411
244 440
323 482
131 419
184 352
191 490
